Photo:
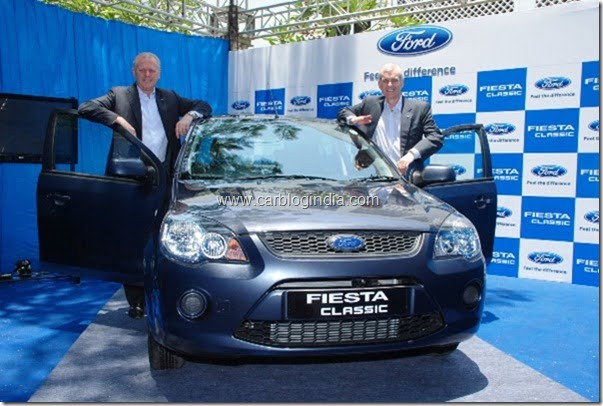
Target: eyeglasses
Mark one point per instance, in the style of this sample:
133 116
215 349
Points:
395 81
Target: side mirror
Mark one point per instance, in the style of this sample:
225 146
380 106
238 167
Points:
432 174
131 168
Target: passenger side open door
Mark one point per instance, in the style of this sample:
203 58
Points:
473 191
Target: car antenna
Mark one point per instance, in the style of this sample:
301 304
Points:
270 95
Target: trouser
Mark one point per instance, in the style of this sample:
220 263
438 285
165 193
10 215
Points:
134 295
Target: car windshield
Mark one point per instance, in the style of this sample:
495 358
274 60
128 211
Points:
261 148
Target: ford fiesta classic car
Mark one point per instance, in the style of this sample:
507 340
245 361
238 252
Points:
281 237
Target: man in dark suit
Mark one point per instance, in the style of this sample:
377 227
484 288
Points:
158 117
403 128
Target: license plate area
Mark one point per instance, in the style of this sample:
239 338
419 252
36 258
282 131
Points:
328 304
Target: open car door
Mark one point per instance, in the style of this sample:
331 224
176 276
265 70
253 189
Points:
97 216
473 191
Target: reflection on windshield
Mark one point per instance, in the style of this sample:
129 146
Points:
251 149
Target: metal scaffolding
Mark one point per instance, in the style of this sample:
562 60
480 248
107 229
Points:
234 20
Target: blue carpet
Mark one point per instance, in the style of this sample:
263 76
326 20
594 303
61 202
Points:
552 327
39 321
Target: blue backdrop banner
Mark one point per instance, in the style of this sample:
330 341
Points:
50 51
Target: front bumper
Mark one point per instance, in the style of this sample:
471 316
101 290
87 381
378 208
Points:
247 312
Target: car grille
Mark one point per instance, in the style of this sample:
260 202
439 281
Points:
329 333
314 243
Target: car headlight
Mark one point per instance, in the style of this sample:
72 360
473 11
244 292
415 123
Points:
457 237
188 238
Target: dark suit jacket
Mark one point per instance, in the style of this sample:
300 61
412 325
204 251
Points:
124 101
417 128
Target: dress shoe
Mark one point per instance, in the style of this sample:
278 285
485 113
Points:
136 312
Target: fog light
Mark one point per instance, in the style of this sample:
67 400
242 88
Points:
192 304
472 294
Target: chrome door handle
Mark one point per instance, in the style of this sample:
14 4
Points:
482 201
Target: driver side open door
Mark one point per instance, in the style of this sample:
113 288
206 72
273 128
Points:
97 217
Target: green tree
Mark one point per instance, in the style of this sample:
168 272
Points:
308 10
128 15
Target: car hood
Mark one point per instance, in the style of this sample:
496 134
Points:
312 205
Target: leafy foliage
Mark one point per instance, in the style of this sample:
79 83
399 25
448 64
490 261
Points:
310 10
126 16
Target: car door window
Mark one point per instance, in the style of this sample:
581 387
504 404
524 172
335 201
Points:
94 147
463 151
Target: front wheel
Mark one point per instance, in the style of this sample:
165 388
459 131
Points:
161 357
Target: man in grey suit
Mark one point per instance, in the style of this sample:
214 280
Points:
147 112
403 128
159 117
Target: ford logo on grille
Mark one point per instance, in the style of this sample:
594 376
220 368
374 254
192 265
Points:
552 83
370 93
300 100
594 125
499 128
544 257
458 169
592 216
415 40
503 212
345 243
549 171
453 90
240 105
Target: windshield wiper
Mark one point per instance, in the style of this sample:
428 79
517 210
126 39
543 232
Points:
378 179
189 176
309 177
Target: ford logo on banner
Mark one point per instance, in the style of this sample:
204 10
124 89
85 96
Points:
345 243
499 128
592 216
552 83
594 125
458 169
300 100
370 93
453 90
415 40
240 105
549 171
503 212
544 257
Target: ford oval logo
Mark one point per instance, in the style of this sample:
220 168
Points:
594 125
503 212
499 128
370 93
545 257
300 100
240 105
453 90
549 171
552 83
458 169
415 40
592 216
345 243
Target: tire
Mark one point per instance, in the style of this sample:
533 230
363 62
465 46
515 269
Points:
161 357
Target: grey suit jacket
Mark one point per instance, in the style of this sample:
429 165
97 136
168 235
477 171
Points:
124 101
417 128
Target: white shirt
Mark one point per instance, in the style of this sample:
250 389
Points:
387 132
153 133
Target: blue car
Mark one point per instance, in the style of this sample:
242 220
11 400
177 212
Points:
277 237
